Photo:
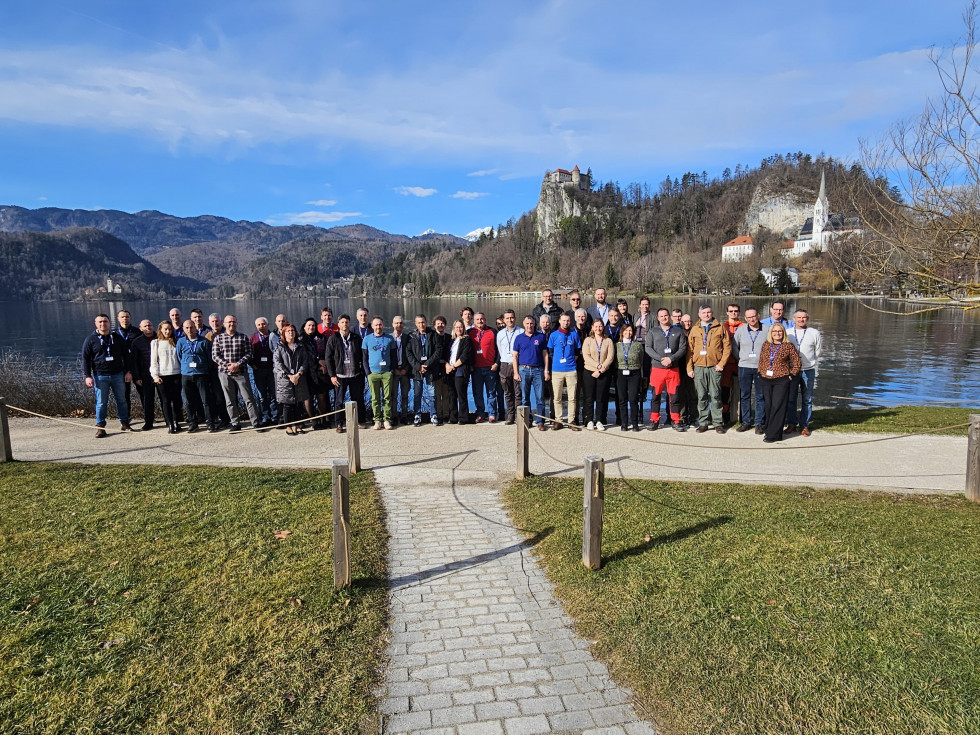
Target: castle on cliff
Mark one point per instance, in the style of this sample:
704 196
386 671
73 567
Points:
574 177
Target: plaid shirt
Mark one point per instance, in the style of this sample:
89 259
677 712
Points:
230 348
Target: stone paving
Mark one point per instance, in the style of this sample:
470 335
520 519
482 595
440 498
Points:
478 642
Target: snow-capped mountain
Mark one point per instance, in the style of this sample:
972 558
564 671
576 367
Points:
475 235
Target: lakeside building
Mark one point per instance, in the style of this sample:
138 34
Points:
737 249
771 275
822 228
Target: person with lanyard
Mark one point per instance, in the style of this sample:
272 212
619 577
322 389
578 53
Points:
547 306
485 366
613 328
194 356
564 346
362 329
425 357
575 299
729 377
106 367
177 323
345 368
665 346
379 357
600 309
126 330
779 362
458 364
440 380
623 307
401 378
809 344
263 375
141 371
197 316
708 348
746 344
598 355
642 320
629 366
531 368
509 386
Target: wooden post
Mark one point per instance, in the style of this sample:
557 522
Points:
523 421
972 459
6 454
353 441
341 524
595 495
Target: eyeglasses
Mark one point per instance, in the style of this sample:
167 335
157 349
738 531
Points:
733 311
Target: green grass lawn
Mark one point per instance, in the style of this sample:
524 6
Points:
894 419
154 599
735 609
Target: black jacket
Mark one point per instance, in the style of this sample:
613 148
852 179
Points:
140 350
554 311
466 354
334 354
105 355
430 355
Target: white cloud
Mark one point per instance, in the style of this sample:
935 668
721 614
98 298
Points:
42 199
323 202
469 194
415 191
310 218
484 172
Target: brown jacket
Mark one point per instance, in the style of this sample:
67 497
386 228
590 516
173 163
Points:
785 360
716 343
592 358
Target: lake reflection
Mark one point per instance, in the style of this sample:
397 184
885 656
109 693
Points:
868 357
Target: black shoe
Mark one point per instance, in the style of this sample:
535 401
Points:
234 428
702 428
190 429
743 427
637 427
100 433
760 430
680 427
720 429
172 430
147 427
212 429
654 426
769 441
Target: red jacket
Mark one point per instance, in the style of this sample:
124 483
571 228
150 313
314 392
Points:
484 347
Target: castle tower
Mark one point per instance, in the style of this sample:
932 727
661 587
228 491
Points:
577 177
821 211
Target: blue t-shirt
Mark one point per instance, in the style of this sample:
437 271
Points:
562 347
530 350
379 352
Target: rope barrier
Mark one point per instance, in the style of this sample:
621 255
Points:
88 427
628 436
559 461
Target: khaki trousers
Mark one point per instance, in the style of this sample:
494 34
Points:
560 380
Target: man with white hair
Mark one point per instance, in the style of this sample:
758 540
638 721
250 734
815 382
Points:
808 343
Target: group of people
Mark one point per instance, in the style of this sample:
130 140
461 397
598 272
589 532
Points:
565 364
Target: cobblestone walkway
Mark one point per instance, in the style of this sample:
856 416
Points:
478 643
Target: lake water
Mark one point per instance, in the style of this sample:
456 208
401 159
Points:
869 358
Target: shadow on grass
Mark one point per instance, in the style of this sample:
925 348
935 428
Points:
407 580
669 538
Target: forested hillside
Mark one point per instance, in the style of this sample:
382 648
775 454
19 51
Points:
636 237
58 265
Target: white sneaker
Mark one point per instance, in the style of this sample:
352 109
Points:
388 425
378 426
599 426
590 426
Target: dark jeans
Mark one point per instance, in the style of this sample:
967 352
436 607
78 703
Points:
264 387
218 411
628 396
169 391
776 392
400 387
355 386
749 380
198 399
596 392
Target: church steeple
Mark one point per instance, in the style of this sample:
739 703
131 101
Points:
820 213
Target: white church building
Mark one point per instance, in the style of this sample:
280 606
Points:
822 228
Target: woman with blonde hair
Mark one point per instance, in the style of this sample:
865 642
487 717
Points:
459 364
598 354
779 363
165 371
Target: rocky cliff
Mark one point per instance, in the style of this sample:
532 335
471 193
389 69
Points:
783 212
554 204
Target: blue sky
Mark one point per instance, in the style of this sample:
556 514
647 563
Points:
444 115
